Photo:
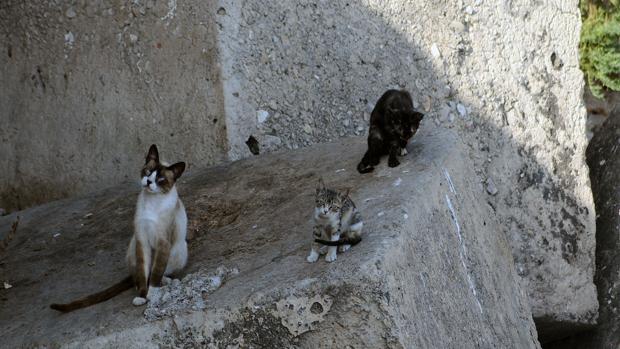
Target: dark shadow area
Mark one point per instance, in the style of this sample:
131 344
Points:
603 157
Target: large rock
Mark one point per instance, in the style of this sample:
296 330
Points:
504 76
432 269
604 162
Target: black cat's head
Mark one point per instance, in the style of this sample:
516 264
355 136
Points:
405 122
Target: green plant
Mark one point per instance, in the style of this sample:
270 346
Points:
599 47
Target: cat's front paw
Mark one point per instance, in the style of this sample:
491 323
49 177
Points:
323 250
313 257
330 257
403 151
393 162
138 301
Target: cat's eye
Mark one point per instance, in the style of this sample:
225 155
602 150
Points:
147 173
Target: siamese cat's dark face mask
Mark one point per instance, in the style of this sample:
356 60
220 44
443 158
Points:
157 177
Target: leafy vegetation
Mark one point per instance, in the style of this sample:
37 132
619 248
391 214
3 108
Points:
600 45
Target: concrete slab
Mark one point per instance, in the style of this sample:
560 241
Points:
434 269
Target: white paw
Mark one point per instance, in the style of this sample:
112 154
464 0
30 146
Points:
344 248
312 257
165 281
138 301
323 250
403 151
330 257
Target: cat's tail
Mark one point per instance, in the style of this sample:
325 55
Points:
353 240
95 298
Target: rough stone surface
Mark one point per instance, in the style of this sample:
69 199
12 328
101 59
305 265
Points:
431 270
86 87
604 161
483 69
316 68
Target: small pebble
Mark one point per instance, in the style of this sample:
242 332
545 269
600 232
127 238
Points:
69 38
262 116
70 13
435 50
491 189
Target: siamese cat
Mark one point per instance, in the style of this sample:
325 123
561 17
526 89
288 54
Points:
158 248
335 215
393 122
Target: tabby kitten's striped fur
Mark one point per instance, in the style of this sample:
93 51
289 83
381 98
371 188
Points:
337 223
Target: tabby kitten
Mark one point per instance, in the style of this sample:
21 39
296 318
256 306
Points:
158 245
393 122
337 223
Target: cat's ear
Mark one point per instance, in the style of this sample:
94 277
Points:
153 154
177 169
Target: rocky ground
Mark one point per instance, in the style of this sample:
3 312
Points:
431 270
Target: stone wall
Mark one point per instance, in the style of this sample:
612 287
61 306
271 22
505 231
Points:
504 76
87 86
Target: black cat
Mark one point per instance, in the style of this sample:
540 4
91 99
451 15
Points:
392 123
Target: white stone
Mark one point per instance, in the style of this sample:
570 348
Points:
262 116
70 13
69 39
435 51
